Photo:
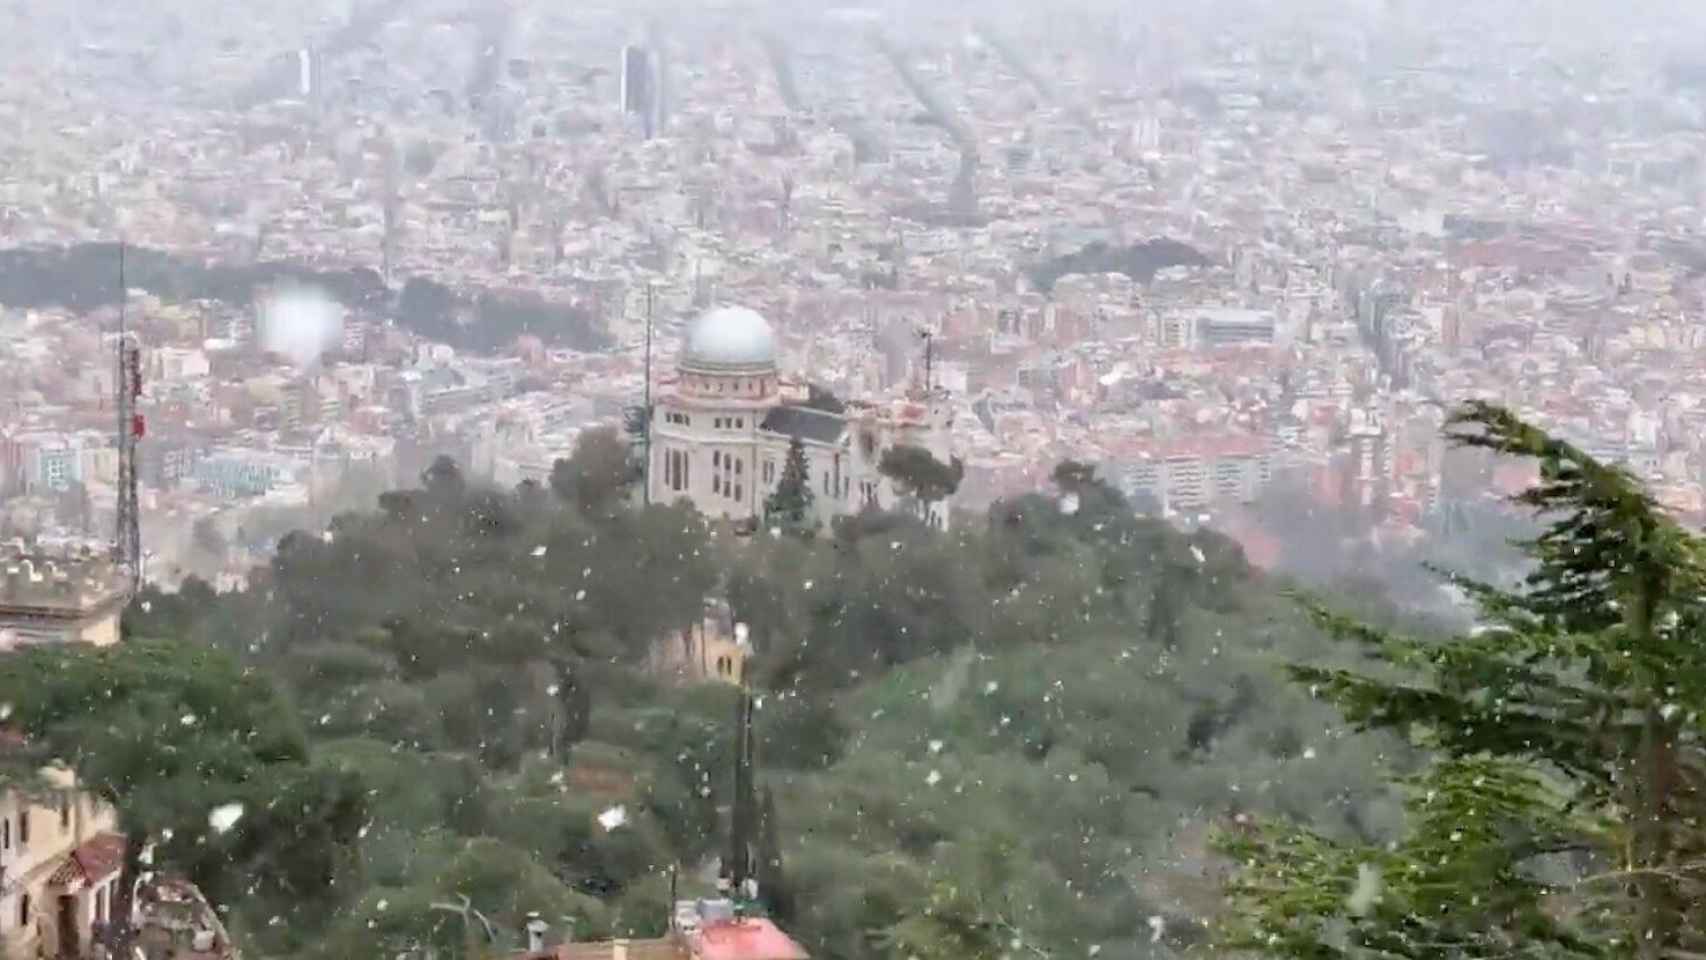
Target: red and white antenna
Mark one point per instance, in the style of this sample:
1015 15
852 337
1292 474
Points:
127 540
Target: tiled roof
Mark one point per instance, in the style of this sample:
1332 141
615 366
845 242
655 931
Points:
805 423
95 860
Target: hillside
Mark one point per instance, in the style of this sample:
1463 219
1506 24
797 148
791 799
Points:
1048 707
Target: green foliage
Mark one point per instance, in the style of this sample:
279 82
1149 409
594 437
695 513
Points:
166 732
1568 722
987 700
919 474
596 475
791 502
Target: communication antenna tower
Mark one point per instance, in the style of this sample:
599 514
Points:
127 540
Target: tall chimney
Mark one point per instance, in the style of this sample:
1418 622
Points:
535 934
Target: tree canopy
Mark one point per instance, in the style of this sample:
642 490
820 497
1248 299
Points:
167 732
485 660
1563 815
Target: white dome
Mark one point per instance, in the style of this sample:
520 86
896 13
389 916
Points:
729 338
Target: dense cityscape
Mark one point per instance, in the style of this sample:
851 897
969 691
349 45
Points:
425 423
1317 236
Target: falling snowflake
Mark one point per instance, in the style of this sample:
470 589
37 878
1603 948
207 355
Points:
990 687
1367 891
580 594
187 720
935 746
1069 504
1157 926
381 905
1309 753
934 778
1196 551
224 817
613 818
539 551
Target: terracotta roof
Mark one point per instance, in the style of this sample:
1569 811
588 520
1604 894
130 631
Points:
751 939
659 949
95 860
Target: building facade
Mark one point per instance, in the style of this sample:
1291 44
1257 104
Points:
721 428
59 598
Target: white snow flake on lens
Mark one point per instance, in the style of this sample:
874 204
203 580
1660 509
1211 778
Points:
613 818
147 605
741 633
539 551
991 687
1095 948
1069 504
1157 925
381 905
5 710
934 778
1367 891
224 816
557 779
807 584
187 719
1196 551
551 690
1309 753
580 594
935 746
325 718
1668 710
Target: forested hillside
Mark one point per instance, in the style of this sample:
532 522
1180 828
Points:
1051 706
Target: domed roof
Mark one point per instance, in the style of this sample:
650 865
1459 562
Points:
731 339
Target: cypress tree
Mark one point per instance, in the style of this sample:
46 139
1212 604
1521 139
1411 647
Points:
1563 817
791 502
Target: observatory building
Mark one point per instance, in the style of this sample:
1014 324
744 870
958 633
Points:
722 425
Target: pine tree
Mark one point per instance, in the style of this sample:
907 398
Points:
791 502
1568 724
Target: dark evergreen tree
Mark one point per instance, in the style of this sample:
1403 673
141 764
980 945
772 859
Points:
596 474
772 883
443 478
1568 722
574 700
920 476
791 502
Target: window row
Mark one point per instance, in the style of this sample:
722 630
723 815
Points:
726 475
730 423
675 470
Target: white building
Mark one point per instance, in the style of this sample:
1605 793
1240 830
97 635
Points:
722 425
